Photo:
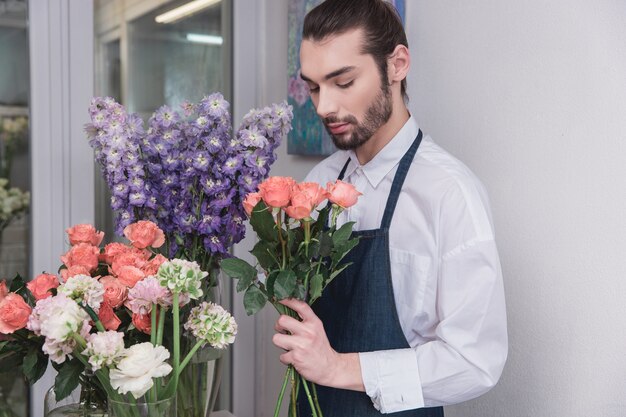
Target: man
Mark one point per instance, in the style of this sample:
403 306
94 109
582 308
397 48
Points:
418 321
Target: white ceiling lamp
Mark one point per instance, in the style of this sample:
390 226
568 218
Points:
185 10
208 39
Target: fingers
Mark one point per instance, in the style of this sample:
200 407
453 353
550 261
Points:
288 324
303 309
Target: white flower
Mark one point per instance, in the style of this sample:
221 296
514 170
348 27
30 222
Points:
211 323
104 349
183 277
140 364
58 318
84 289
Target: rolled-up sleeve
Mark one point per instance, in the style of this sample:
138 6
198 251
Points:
466 357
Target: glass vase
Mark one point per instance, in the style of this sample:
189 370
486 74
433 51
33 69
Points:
199 382
74 405
142 408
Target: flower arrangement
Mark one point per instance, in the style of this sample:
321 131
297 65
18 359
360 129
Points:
12 129
188 173
13 203
106 312
300 251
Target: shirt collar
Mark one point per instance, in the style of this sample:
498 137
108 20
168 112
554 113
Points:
388 157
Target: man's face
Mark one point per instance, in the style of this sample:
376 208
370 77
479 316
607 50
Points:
346 87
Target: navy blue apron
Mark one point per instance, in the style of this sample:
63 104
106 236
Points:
358 309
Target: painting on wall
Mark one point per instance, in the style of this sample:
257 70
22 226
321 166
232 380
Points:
308 136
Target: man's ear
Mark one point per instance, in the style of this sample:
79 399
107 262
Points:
398 64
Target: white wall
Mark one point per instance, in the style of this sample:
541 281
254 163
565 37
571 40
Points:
532 96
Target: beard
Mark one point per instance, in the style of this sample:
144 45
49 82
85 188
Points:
378 113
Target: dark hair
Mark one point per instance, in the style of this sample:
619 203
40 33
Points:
379 20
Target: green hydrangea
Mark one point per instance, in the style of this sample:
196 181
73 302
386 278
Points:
182 277
211 323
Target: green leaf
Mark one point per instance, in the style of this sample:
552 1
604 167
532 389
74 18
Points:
68 378
300 292
269 283
342 250
10 359
326 245
284 284
264 253
35 364
322 220
337 272
263 222
316 287
343 233
239 269
253 300
17 283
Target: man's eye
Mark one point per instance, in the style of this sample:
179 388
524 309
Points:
346 85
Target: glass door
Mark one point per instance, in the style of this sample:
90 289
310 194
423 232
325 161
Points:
15 180
151 53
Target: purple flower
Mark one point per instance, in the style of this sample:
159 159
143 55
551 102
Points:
187 173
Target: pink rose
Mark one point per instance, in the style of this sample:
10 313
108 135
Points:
342 193
115 292
134 258
112 250
143 322
14 313
74 270
3 290
107 317
84 233
301 206
42 284
276 191
252 199
130 275
314 191
82 254
152 266
144 234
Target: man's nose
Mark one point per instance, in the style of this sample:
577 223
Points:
326 104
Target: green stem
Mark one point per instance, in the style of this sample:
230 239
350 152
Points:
93 316
153 324
308 396
279 403
193 350
283 243
159 338
316 401
176 335
294 393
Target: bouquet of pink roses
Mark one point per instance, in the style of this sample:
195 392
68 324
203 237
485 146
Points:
106 314
300 251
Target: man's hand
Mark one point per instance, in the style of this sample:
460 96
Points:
308 350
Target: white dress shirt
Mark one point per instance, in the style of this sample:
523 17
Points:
445 271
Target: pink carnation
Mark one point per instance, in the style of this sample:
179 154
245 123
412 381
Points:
146 293
144 234
84 233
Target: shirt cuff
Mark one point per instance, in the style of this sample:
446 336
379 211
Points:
392 380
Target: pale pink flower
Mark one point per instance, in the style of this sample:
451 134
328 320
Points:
85 290
146 293
104 349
